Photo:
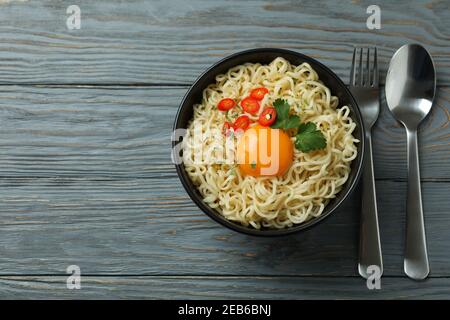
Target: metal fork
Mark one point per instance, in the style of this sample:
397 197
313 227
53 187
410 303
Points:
365 88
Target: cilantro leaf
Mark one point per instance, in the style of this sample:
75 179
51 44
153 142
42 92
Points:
307 127
292 122
282 107
284 120
309 138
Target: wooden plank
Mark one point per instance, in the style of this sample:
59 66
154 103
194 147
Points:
173 41
150 226
227 288
122 132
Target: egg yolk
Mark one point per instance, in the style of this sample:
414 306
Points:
263 151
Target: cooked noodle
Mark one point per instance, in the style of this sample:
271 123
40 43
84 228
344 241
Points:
313 179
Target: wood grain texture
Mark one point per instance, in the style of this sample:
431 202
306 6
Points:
150 226
234 288
172 41
121 132
85 172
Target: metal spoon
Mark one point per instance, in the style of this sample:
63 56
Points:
410 89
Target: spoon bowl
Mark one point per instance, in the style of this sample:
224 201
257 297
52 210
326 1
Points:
410 84
410 90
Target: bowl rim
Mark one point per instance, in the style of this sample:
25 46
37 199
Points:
235 226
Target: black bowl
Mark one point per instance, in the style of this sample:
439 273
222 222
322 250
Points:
265 56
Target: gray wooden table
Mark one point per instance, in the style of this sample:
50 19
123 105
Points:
85 171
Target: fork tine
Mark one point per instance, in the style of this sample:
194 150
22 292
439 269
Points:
375 69
352 70
361 75
367 76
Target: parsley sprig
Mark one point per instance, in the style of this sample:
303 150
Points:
284 119
308 137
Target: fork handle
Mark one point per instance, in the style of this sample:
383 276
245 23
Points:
369 245
416 258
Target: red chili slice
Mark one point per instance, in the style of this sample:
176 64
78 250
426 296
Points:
258 93
242 122
226 104
267 117
250 105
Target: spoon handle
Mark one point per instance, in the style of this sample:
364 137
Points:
369 238
416 258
